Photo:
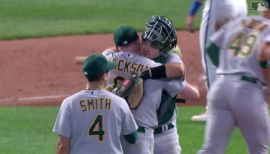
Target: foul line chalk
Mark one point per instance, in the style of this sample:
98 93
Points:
33 98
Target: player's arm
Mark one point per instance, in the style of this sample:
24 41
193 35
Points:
131 138
195 6
168 70
265 56
80 59
63 145
214 44
264 59
184 89
213 52
190 92
174 68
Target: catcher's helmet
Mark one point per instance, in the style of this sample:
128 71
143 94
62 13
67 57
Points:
266 3
160 32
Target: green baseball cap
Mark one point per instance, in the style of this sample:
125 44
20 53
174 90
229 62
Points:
125 35
97 64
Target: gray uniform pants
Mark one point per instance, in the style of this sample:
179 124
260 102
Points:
234 102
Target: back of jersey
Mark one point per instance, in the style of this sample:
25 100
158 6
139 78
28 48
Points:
95 120
127 63
239 43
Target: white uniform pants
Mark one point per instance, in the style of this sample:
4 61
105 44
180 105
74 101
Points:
236 103
167 142
143 145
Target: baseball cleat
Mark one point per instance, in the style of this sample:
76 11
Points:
199 118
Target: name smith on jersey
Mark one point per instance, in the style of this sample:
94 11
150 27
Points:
95 104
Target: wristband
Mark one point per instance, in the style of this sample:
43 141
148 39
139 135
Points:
158 72
194 8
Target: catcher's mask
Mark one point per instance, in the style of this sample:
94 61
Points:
160 32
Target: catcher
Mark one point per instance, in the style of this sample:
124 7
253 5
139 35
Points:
131 66
126 54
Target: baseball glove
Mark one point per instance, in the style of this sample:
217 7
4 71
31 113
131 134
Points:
132 90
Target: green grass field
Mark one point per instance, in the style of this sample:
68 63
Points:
41 18
28 130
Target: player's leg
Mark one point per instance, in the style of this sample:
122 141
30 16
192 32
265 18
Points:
143 145
217 132
167 142
253 118
206 29
220 122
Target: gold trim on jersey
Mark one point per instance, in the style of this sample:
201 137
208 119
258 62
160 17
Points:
254 24
129 67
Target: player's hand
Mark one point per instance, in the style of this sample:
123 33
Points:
189 23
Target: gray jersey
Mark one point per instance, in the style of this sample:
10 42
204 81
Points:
94 120
240 57
216 13
145 115
173 57
127 63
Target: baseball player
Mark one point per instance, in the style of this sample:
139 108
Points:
158 38
215 14
92 120
129 62
241 52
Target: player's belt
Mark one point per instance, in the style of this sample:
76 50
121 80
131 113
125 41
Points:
249 79
253 80
163 128
246 78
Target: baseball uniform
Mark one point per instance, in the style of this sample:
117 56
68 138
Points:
166 136
94 120
237 98
145 115
216 13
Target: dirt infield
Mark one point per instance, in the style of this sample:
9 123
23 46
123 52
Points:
43 71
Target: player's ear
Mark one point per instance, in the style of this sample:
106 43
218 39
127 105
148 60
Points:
105 76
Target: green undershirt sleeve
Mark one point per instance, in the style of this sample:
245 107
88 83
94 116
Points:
213 52
131 138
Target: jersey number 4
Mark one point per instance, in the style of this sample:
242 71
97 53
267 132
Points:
96 127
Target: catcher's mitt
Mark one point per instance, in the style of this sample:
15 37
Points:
132 90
